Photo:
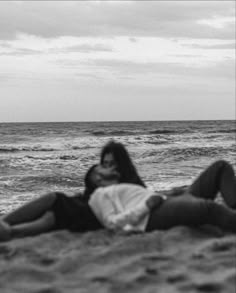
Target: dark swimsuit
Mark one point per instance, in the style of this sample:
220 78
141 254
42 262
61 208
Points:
74 214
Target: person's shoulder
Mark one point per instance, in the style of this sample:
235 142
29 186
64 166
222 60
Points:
130 186
127 184
102 191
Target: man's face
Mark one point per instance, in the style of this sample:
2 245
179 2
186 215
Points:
102 177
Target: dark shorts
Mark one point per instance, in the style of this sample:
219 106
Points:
73 214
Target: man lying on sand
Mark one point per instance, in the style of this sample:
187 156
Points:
131 207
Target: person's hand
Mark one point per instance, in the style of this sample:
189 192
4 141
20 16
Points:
177 190
154 201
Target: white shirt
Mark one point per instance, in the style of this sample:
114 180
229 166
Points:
121 206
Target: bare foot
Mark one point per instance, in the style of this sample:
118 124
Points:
5 231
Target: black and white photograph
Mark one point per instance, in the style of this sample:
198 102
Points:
117 146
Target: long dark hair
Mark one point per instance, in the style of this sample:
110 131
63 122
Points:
89 184
125 166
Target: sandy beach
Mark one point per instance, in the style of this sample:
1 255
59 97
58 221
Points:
157 77
35 159
178 260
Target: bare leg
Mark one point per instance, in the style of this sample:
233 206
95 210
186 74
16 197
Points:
31 211
43 224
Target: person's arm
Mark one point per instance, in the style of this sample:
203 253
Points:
106 213
126 220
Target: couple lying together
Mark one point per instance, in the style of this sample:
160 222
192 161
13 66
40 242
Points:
116 198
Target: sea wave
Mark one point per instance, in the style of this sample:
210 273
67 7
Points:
166 131
14 149
40 158
191 152
185 153
222 131
84 147
68 157
139 132
60 181
157 142
37 158
114 133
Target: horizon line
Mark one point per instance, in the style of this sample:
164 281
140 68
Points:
107 121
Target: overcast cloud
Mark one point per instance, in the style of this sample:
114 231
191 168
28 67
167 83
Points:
108 18
142 60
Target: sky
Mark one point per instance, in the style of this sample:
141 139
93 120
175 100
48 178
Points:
117 60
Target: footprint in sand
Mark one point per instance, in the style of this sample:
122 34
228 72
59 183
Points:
152 271
209 287
206 287
156 257
176 278
101 279
222 246
7 252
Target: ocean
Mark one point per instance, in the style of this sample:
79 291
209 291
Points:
36 158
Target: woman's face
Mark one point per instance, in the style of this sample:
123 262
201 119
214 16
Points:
109 161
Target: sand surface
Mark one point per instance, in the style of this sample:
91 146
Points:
179 260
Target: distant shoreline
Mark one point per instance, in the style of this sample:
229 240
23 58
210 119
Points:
112 121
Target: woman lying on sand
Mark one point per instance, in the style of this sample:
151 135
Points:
56 210
130 207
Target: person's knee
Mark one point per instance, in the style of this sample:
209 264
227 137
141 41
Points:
49 219
50 197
